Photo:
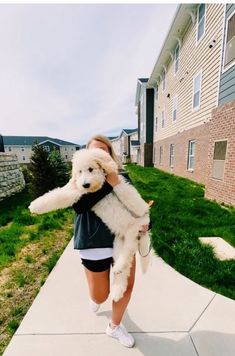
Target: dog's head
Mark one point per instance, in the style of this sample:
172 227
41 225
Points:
90 167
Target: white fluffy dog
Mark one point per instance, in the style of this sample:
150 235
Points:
123 210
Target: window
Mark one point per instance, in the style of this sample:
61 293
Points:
219 159
9 149
163 80
66 156
154 154
22 148
156 93
163 118
174 110
229 54
171 155
191 154
46 148
23 158
201 21
197 83
156 123
160 155
176 59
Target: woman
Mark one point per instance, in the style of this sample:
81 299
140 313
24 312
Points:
95 242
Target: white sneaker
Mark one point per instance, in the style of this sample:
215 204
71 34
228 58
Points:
120 333
93 306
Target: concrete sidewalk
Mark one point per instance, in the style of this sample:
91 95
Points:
169 315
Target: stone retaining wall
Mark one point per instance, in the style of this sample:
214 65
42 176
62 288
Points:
11 176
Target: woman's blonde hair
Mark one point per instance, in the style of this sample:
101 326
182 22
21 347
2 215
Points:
108 143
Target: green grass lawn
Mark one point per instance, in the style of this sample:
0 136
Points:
29 248
179 216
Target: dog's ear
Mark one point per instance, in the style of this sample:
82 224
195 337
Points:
105 160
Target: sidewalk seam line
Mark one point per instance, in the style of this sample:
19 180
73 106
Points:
103 333
193 344
207 306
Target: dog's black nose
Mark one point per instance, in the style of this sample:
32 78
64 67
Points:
86 185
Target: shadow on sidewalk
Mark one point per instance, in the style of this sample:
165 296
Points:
198 343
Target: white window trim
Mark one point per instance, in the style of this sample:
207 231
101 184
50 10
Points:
189 144
225 159
175 72
198 41
175 99
156 124
224 69
156 93
47 148
194 77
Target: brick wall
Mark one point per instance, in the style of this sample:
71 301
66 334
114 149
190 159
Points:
11 177
222 127
181 142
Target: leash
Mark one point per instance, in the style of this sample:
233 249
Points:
149 249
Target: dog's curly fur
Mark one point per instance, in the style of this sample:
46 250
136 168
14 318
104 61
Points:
123 210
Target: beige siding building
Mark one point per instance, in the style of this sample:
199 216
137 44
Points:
185 78
193 108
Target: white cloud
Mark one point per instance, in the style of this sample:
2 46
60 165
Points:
70 71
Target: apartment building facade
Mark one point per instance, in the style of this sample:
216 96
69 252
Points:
193 80
22 146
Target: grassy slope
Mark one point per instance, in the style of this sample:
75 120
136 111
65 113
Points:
29 248
180 215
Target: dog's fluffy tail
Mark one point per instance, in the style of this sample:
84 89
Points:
58 198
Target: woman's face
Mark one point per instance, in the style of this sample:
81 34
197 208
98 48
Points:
98 144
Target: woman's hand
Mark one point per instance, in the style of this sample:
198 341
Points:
112 179
144 229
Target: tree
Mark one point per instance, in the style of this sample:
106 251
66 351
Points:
60 167
42 172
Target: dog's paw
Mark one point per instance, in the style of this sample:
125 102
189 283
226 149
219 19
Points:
117 269
35 207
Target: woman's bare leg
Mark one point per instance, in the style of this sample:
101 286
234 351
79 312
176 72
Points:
119 307
98 284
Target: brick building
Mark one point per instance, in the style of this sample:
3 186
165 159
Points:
194 104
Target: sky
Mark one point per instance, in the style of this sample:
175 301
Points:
70 71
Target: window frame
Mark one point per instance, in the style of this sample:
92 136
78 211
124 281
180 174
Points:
198 40
189 168
46 148
156 93
226 67
174 108
156 124
200 91
221 160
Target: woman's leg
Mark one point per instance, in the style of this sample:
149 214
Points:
119 307
98 284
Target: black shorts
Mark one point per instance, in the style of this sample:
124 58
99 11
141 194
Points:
97 265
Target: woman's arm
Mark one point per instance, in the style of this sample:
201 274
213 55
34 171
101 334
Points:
87 201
